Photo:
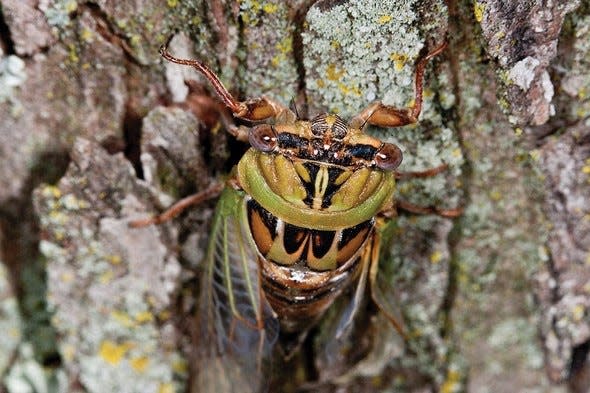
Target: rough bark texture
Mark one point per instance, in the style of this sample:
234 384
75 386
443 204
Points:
96 131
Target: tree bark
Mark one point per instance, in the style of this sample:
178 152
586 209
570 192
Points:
97 130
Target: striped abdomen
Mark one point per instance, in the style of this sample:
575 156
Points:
303 269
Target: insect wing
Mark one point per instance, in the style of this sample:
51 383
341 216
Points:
237 327
381 288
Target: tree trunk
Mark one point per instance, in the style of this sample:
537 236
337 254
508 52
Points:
97 130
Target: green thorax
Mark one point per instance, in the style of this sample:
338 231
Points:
321 175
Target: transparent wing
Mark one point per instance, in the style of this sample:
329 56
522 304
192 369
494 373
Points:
237 328
383 291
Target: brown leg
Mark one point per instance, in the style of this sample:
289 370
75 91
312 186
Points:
254 109
420 174
382 115
415 209
174 210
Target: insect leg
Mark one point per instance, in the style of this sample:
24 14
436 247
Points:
382 115
174 210
254 109
420 174
415 209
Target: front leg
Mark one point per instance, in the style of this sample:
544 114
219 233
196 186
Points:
210 192
254 109
381 115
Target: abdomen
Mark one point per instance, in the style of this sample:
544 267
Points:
303 270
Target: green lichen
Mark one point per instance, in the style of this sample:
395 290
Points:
377 43
58 14
269 67
108 340
577 82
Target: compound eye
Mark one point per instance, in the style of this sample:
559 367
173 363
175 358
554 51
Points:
388 157
263 137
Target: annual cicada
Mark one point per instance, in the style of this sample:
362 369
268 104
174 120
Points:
298 223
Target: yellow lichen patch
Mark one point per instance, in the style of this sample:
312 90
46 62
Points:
270 8
86 35
320 83
164 315
246 18
335 44
111 352
179 366
144 316
495 195
14 333
114 259
276 60
586 169
383 19
415 333
139 363
285 45
72 54
57 217
66 277
463 278
452 383
59 235
106 277
457 153
151 300
68 352
51 191
172 3
478 10
166 388
123 318
578 312
399 60
333 73
71 6
535 154
436 257
349 90
518 131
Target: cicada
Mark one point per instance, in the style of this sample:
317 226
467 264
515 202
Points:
297 224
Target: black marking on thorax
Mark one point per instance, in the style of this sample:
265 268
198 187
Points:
311 189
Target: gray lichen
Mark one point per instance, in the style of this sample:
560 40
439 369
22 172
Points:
352 58
464 288
107 339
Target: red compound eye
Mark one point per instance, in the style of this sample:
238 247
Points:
263 137
388 157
